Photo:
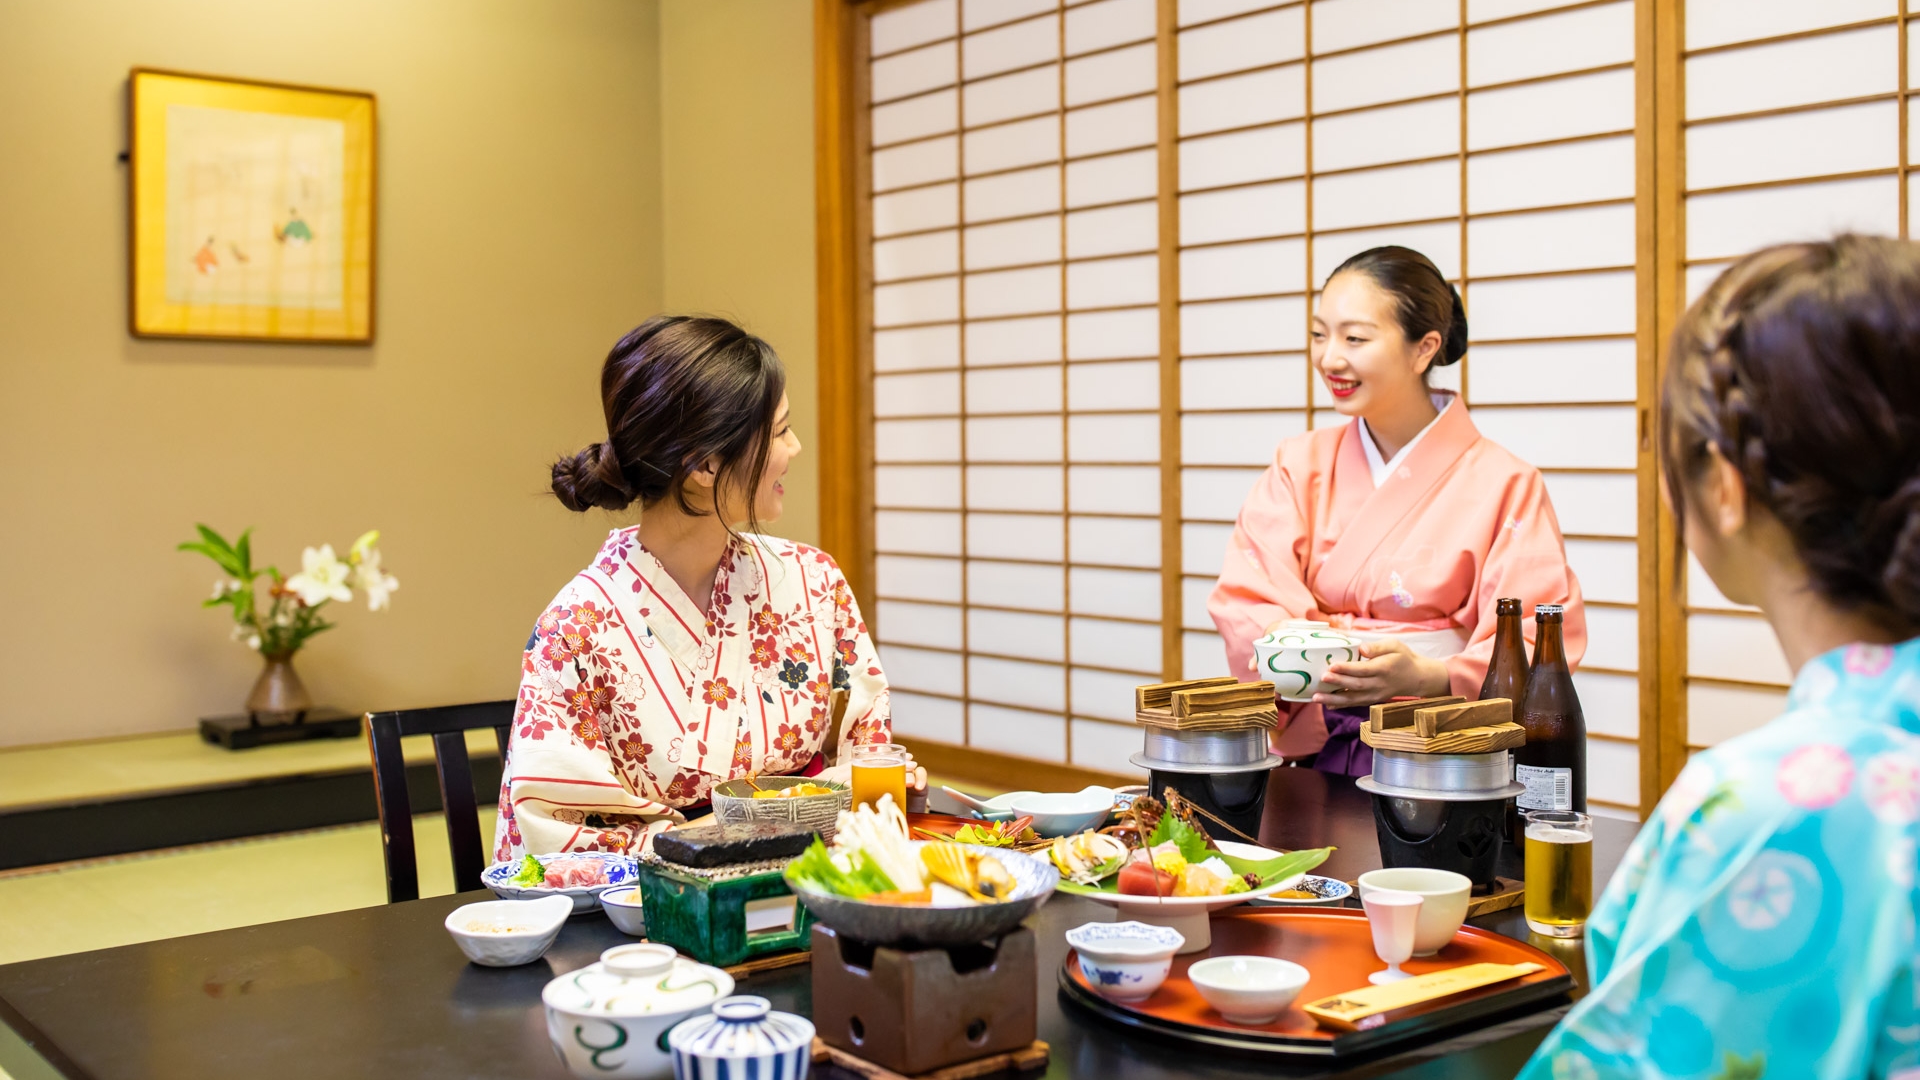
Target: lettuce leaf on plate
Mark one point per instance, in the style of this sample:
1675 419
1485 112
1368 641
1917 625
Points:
816 868
1278 868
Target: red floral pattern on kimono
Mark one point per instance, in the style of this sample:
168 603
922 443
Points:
633 703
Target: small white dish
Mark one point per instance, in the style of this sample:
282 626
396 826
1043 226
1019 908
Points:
526 929
1000 807
1248 990
1064 813
1327 892
622 903
1124 961
1443 896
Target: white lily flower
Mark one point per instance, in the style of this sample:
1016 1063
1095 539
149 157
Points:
322 577
378 584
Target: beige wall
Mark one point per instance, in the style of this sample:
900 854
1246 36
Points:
518 237
737 130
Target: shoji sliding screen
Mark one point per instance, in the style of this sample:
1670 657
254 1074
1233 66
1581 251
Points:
1016 371
1018 173
1795 127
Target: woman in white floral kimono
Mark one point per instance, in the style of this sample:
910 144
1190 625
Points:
688 653
1762 923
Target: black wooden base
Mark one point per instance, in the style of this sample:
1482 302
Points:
242 731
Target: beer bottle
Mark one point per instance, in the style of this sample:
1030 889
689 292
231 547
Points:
1507 670
1507 678
1553 763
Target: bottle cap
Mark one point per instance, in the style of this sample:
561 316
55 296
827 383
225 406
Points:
1548 609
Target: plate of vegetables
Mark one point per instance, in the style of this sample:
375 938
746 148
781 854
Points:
582 875
878 884
1166 870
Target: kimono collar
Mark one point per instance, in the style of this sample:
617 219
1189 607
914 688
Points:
670 613
1375 512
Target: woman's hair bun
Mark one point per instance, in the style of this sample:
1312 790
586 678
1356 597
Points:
591 478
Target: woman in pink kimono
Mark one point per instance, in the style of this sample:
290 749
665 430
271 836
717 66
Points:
1404 526
687 653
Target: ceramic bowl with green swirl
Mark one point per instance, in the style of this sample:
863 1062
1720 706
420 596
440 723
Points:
611 1019
1296 653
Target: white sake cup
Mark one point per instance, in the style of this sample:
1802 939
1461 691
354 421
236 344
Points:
1393 917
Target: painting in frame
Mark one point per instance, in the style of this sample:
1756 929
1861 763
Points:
252 210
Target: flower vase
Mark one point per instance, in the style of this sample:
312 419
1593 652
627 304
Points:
278 696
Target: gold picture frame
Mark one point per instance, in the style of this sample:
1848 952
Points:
251 211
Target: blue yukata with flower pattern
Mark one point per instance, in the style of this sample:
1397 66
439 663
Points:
1762 923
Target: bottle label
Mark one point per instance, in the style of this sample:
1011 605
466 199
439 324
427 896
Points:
1547 789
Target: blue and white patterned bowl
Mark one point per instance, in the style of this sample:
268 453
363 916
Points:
621 870
742 1039
1125 961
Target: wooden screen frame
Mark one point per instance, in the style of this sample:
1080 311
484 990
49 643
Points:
845 279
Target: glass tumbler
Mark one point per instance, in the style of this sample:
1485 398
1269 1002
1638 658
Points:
1559 872
879 770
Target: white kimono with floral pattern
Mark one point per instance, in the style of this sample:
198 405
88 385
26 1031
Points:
633 704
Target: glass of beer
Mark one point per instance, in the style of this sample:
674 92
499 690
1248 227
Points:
1559 872
879 770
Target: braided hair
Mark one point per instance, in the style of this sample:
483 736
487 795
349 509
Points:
1800 366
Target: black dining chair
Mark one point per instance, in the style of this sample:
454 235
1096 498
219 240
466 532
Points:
448 725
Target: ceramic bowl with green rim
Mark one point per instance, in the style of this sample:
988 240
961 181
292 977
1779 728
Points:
1295 654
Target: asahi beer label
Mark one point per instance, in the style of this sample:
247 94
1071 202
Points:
1547 789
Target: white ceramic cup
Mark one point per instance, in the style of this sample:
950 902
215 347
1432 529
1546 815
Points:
1443 894
1394 918
1247 990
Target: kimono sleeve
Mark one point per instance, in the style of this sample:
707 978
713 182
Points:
1527 559
856 669
562 791
1263 573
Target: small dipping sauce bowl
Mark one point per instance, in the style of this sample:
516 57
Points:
1125 961
623 908
1066 813
507 933
1247 989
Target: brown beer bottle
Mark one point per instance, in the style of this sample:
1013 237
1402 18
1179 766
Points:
1507 670
1553 763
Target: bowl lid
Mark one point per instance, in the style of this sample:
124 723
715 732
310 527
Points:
645 979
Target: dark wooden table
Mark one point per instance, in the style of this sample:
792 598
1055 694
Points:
383 992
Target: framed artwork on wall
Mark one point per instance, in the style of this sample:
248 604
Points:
252 210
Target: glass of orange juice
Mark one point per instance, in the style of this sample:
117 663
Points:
879 770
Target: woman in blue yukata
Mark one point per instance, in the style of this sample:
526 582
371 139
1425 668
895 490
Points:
1762 924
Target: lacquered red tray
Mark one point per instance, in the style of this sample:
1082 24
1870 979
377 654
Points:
1336 948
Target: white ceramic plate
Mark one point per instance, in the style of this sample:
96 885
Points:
1188 914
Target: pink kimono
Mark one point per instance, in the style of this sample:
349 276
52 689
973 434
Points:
1459 524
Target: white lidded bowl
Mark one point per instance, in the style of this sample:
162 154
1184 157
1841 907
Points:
1068 812
611 1019
623 907
1125 961
1443 901
533 924
742 1037
1295 655
1247 989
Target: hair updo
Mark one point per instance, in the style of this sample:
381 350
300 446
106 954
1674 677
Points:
677 391
1800 365
1423 300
